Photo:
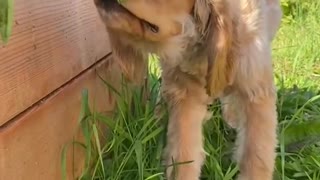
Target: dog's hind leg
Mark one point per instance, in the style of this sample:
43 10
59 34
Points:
187 101
257 140
256 122
254 96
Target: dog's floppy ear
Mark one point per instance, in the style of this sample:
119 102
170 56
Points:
218 27
132 62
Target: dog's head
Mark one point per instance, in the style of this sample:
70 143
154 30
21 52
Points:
174 29
151 20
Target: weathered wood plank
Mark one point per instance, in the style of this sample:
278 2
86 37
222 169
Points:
31 145
52 42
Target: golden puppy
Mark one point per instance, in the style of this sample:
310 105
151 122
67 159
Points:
208 49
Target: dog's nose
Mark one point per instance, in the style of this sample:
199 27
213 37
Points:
105 2
110 1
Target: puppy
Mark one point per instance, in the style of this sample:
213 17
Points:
208 49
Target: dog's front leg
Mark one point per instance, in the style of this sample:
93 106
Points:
184 154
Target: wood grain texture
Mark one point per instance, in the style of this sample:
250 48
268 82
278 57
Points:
52 42
30 148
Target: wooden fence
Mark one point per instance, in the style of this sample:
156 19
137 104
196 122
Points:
54 53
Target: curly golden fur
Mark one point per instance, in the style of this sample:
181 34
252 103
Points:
208 49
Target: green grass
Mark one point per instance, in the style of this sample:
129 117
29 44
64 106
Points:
136 137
